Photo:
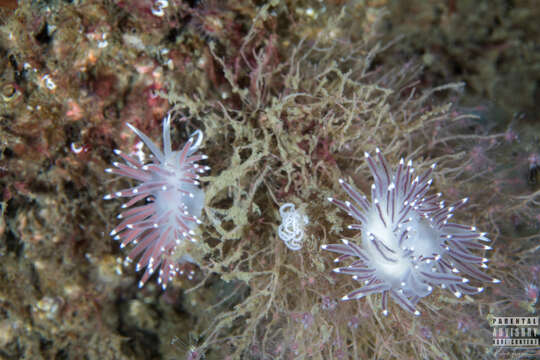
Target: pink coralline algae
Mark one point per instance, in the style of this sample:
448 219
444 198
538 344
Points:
408 245
163 208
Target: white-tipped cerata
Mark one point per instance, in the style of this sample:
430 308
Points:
407 245
159 216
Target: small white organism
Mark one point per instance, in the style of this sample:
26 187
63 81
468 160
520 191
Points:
291 230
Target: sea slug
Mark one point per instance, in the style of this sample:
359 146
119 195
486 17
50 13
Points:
163 208
408 245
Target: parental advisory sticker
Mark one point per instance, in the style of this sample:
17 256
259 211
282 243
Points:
517 331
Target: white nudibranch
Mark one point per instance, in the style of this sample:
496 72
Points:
408 244
163 208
